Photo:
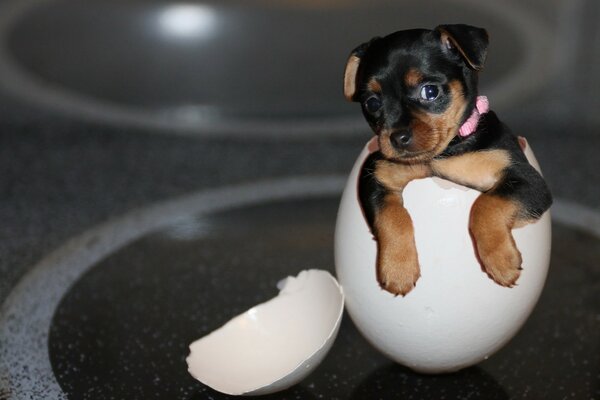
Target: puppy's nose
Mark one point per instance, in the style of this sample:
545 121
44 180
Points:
401 139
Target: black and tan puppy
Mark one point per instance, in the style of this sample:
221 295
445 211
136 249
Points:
418 92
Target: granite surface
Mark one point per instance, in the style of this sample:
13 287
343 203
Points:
63 174
116 332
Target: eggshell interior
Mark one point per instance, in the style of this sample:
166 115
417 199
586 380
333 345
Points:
273 345
456 315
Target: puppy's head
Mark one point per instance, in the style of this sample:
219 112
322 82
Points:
416 87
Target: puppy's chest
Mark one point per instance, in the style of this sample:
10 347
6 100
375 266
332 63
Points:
480 170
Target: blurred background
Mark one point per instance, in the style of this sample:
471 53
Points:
108 107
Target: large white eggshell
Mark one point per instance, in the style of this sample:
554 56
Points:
456 316
273 345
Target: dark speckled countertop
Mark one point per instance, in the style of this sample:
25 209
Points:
64 173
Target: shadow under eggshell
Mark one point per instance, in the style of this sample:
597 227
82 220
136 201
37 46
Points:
456 316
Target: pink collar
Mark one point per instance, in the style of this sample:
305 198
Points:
481 107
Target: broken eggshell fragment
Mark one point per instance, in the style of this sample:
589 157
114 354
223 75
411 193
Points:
276 344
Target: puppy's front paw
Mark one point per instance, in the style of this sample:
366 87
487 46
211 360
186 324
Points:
397 272
492 219
397 261
501 261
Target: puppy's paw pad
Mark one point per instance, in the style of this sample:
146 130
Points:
504 277
503 265
398 278
398 288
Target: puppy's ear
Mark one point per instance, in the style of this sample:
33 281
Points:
470 42
351 72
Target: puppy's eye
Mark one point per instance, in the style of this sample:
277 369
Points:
429 92
373 104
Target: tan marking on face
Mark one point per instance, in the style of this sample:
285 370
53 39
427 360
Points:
390 152
374 86
492 219
350 77
431 133
437 130
413 77
424 137
385 145
480 170
395 176
397 261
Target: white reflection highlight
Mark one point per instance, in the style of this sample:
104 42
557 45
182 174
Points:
188 229
187 21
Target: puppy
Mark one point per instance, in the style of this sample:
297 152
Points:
418 92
